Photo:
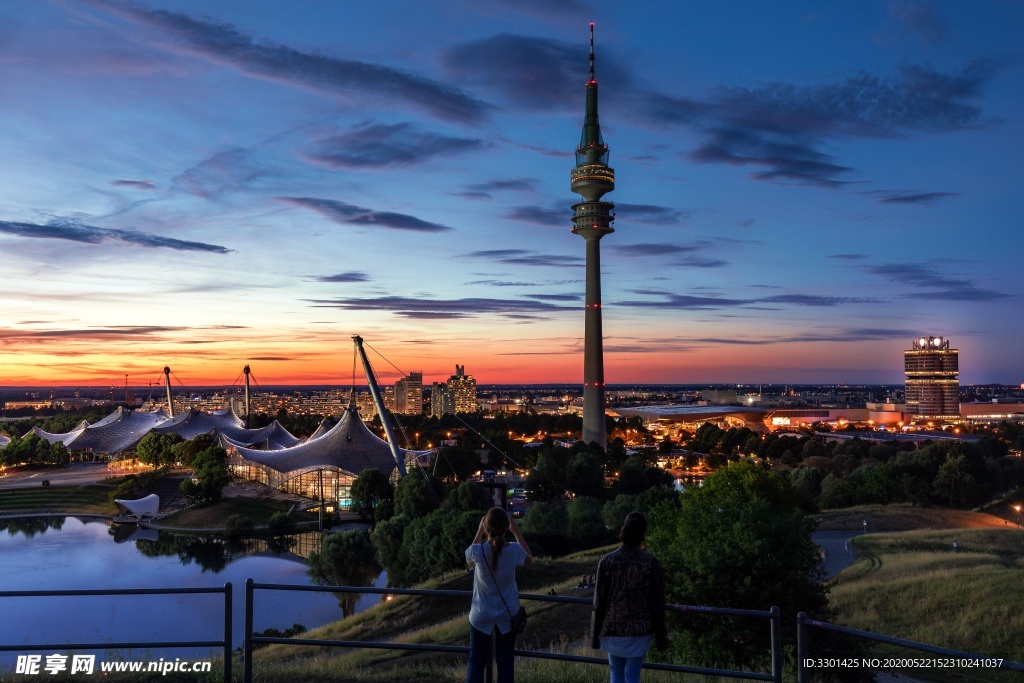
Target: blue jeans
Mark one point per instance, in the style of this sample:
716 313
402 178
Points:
480 653
625 669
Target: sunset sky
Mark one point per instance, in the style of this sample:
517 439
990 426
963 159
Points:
802 189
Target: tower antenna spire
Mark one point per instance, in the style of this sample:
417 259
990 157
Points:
592 53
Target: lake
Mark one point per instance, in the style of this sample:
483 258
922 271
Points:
70 553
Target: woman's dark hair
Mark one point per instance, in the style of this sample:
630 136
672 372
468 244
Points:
633 530
496 525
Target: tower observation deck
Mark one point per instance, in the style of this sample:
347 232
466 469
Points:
592 178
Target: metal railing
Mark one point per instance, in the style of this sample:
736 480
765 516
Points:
950 658
249 640
225 643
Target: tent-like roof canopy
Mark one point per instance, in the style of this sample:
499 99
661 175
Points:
119 431
141 507
349 446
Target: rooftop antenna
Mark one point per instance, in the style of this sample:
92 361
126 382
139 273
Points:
592 53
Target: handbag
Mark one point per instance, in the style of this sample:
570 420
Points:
519 618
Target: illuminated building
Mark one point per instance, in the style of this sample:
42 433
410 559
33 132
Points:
409 394
463 388
932 380
592 178
442 401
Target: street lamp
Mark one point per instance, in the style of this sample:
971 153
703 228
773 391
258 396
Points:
1017 508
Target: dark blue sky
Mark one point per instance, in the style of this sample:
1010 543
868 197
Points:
803 188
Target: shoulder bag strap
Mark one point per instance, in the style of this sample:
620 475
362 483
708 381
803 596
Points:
493 578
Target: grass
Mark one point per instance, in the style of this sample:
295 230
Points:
905 518
89 498
912 585
212 515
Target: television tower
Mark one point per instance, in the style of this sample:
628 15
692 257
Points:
592 179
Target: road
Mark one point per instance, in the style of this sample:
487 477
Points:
74 474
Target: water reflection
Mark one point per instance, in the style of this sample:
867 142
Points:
68 553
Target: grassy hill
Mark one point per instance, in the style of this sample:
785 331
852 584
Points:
912 585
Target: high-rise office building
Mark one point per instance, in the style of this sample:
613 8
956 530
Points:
592 178
463 388
932 380
442 400
409 394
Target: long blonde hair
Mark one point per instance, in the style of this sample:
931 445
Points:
496 525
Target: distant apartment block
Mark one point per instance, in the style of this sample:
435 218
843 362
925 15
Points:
409 394
932 384
442 400
463 388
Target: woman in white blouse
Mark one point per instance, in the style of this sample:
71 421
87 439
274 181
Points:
495 593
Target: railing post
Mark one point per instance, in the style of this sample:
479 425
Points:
776 645
227 632
247 636
801 647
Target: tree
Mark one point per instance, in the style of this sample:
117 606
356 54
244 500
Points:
418 494
209 476
157 449
614 511
545 526
370 488
472 496
586 524
632 477
585 476
185 452
346 558
740 541
546 481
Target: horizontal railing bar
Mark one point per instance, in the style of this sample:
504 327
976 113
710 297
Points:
461 649
109 591
113 646
934 649
727 611
535 654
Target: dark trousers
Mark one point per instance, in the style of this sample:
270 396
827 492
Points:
480 652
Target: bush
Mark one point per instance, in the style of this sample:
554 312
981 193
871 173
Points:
239 526
280 524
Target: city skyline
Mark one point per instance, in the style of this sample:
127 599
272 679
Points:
804 190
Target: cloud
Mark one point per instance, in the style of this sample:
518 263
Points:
688 302
341 212
379 145
544 9
523 257
818 301
945 288
781 127
63 229
893 197
848 257
422 307
134 184
650 213
351 79
647 249
914 18
487 190
699 262
555 297
529 72
557 216
351 276
229 170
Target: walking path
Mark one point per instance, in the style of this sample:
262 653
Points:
837 551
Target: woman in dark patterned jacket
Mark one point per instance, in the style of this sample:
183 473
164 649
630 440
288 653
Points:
629 603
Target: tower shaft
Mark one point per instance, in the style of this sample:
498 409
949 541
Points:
592 219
